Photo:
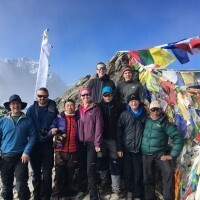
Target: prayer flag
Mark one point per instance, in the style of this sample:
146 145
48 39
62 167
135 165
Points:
42 73
161 57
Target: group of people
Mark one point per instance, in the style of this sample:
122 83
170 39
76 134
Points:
112 135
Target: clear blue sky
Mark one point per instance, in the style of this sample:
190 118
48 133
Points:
84 32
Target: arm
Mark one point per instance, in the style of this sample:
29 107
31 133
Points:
98 128
53 129
177 139
120 134
33 135
141 92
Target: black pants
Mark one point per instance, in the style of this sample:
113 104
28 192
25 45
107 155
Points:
133 174
12 166
87 169
42 161
152 163
65 167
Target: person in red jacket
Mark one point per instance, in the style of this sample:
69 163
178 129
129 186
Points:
64 130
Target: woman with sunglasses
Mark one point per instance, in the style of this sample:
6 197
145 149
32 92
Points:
155 149
90 128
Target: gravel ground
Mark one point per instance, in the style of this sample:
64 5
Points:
105 197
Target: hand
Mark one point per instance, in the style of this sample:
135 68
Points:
120 154
166 157
97 149
25 158
54 131
170 120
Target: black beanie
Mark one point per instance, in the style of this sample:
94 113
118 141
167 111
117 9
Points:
133 97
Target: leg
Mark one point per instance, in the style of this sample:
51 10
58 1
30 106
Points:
21 174
115 168
91 172
103 168
148 173
128 171
167 174
82 178
7 177
35 160
47 166
138 188
60 174
83 181
72 162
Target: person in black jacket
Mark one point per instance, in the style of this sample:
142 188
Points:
111 112
129 136
99 82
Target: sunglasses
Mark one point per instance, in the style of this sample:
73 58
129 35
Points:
102 68
42 96
83 95
155 109
107 95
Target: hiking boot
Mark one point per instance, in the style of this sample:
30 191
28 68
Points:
129 196
80 195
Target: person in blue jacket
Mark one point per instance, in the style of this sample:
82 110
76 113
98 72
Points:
43 112
17 138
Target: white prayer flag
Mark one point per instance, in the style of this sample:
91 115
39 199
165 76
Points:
42 73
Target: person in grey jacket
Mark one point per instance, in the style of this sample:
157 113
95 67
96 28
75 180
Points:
17 137
129 86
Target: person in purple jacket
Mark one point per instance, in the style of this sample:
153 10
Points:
90 128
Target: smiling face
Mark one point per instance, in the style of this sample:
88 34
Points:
155 113
69 107
101 70
85 97
128 75
15 107
134 104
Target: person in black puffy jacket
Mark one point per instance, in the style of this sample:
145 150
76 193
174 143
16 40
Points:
129 137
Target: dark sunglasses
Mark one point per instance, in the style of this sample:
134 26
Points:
102 68
155 109
83 95
42 96
107 95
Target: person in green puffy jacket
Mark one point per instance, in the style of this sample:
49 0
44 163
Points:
156 154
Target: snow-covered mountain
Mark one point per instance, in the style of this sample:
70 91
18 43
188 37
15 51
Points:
18 76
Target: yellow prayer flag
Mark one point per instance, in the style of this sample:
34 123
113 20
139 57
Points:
161 57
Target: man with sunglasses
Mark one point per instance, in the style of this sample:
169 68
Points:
155 150
43 112
111 111
99 82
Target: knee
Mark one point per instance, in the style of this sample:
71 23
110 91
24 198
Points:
91 168
46 175
115 167
21 185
